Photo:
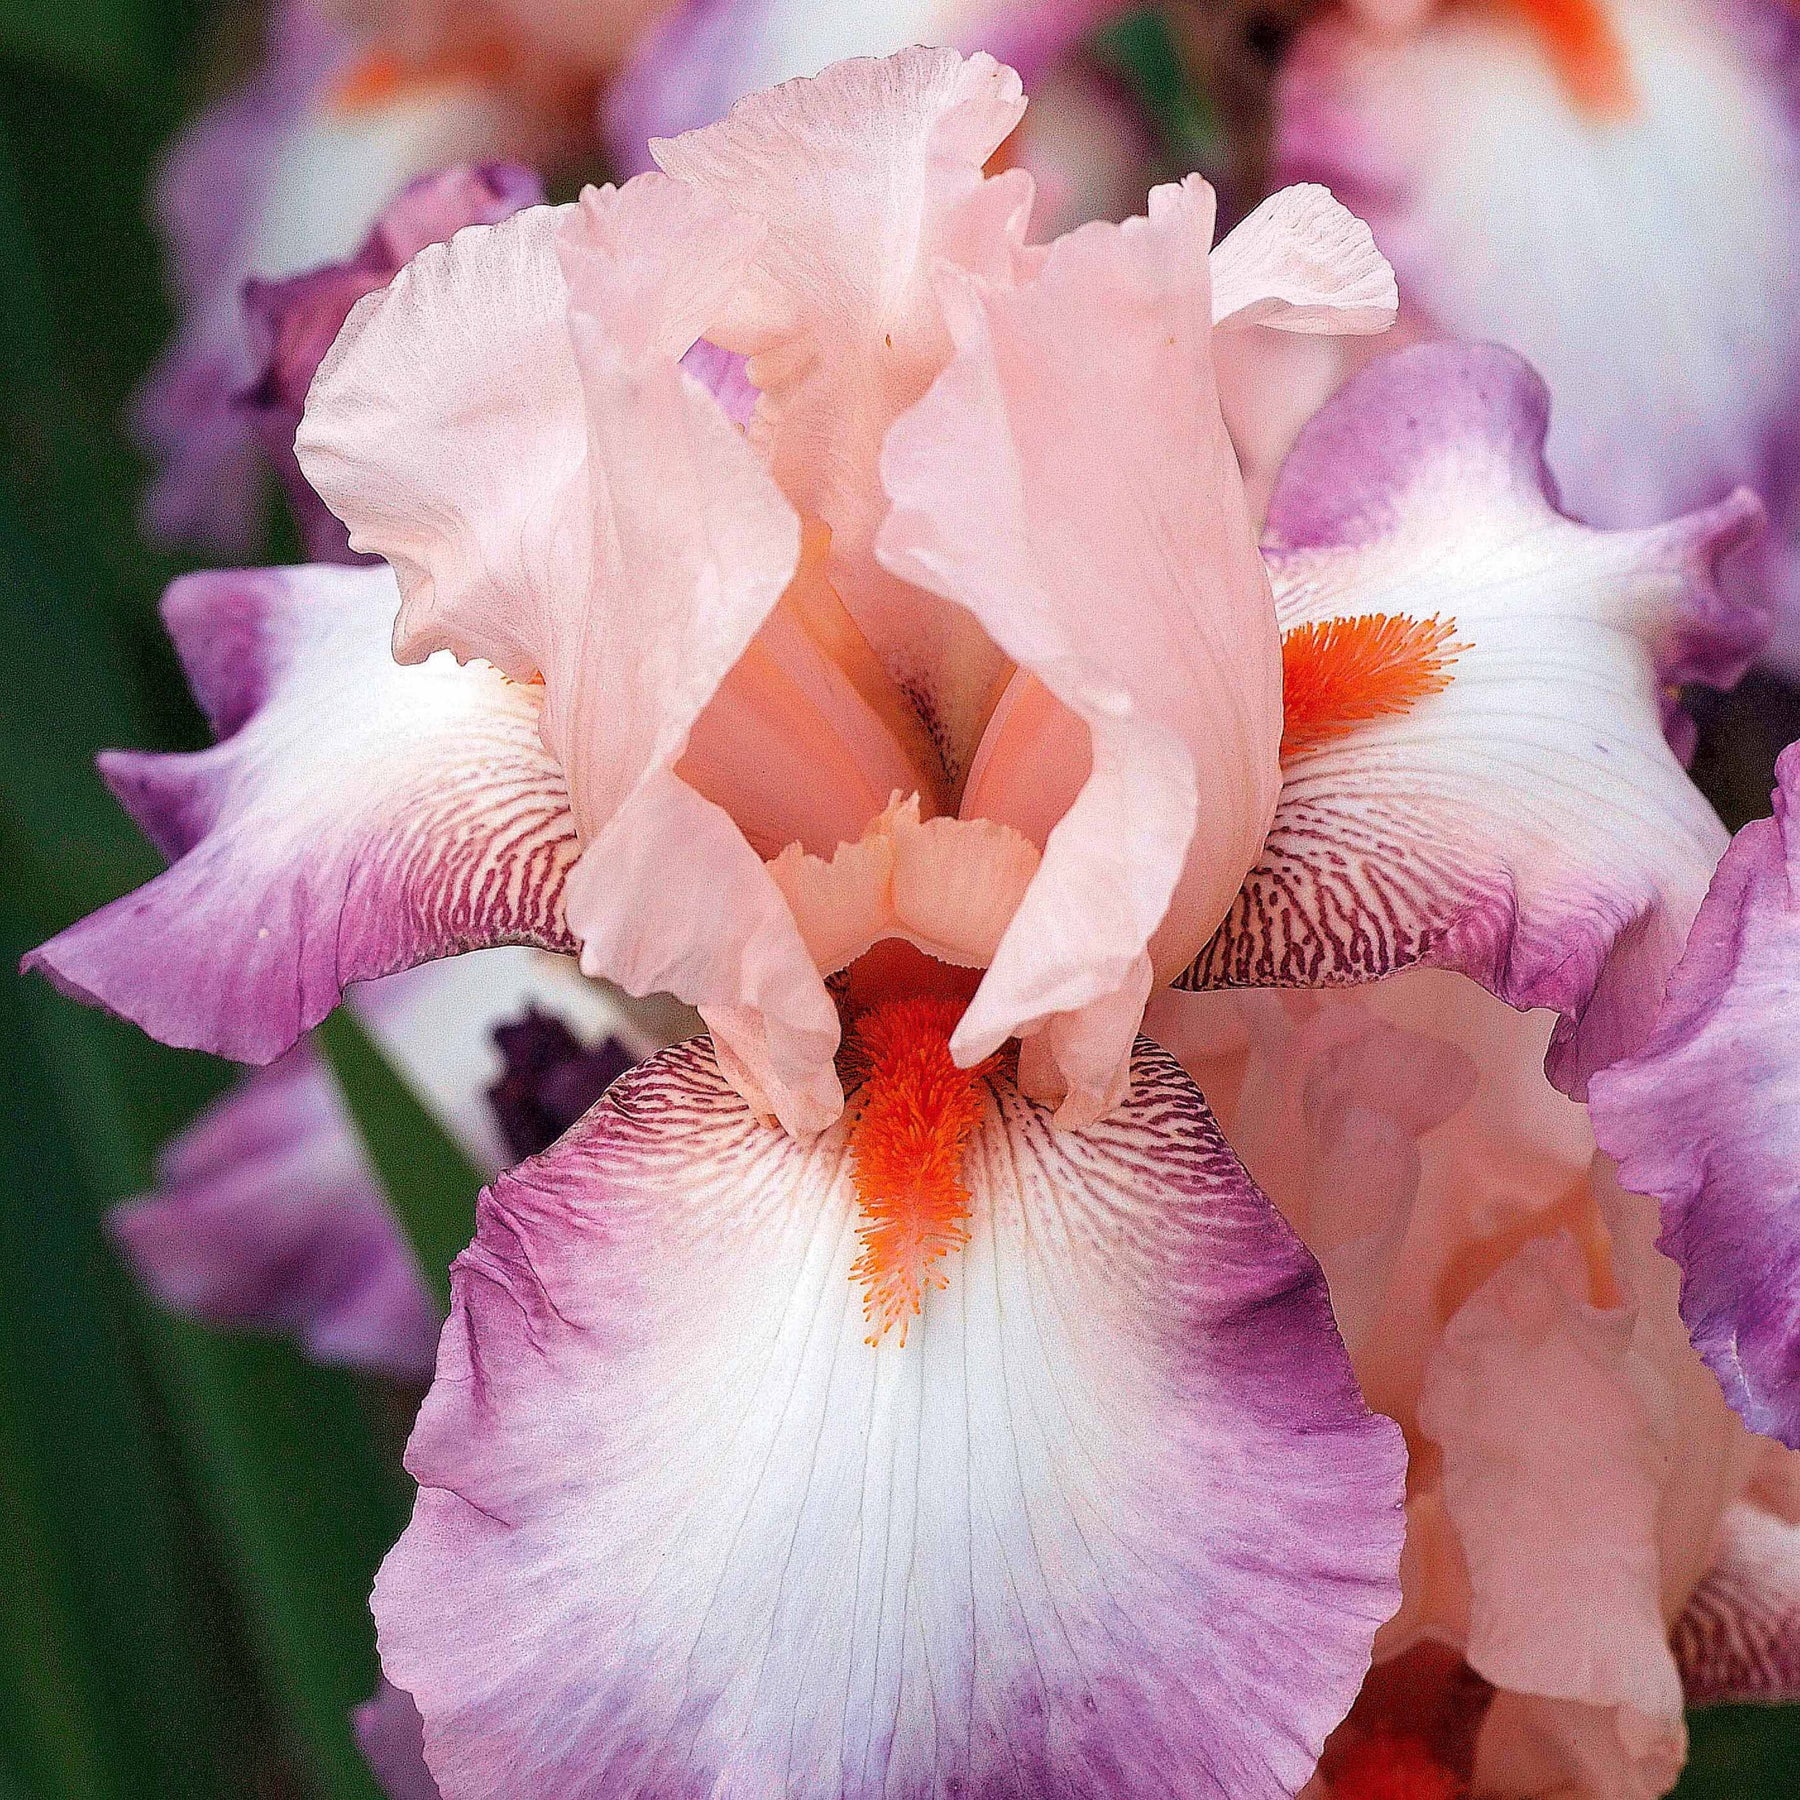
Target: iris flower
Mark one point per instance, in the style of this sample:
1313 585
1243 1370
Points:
1611 187
805 595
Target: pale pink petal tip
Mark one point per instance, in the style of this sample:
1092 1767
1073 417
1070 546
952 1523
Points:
1303 262
1706 1118
682 1529
1522 819
355 818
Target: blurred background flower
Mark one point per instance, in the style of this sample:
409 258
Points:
216 1301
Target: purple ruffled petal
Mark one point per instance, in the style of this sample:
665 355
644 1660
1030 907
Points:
1706 1119
208 198
362 818
1660 237
1527 825
267 1215
1113 1521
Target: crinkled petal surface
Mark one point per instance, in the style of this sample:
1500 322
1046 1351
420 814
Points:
1069 480
1303 262
355 818
1707 1118
1554 1466
866 177
1113 1521
1527 824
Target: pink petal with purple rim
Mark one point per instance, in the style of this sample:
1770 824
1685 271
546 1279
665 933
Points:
1112 1522
1528 825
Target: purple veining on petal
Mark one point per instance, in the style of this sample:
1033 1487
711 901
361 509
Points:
267 1216
1706 1118
207 481
391 1736
550 1079
291 323
366 818
653 1551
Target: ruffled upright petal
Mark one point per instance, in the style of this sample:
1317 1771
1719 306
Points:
1303 262
1706 1118
1475 770
866 178
1111 1522
355 818
1125 583
445 428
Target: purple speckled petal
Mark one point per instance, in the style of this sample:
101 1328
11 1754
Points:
1528 825
362 817
268 1215
392 1737
1658 237
1738 1640
1707 1119
1113 1521
291 323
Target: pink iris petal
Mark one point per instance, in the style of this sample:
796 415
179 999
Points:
842 323
355 818
1528 824
1707 1119
1085 507
1112 1522
392 1738
293 321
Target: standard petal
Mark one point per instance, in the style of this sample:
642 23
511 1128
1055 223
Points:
355 819
1124 581
1303 262
1738 1641
867 177
1111 1522
292 322
446 429
1475 770
1707 1118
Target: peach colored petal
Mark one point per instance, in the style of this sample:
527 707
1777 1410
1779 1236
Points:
1556 1438
1303 262
1086 508
948 886
670 898
866 177
445 429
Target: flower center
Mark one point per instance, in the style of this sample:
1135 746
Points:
382 75
1337 674
916 1113
1392 1765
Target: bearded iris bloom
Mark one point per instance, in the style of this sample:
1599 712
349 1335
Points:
817 600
